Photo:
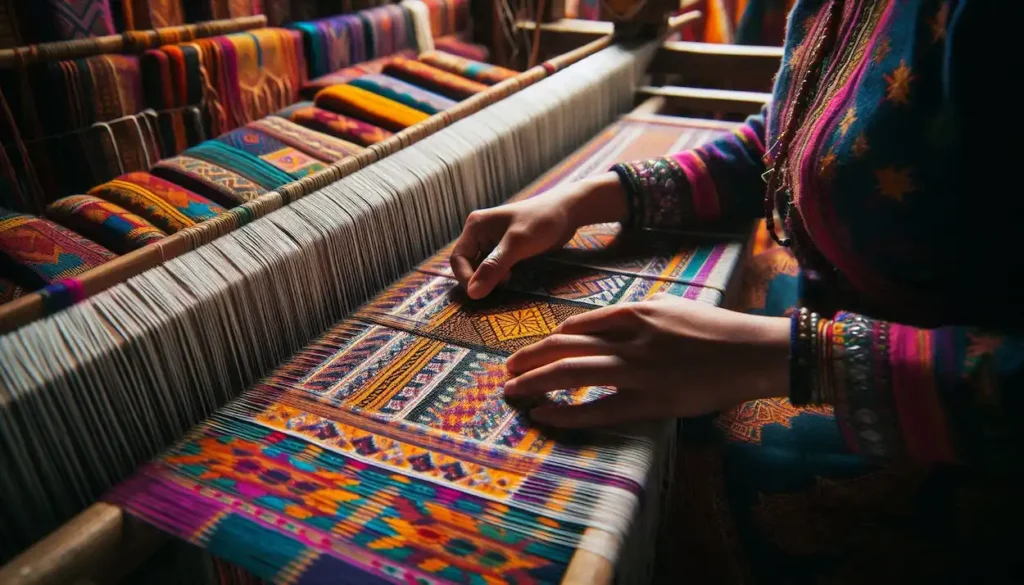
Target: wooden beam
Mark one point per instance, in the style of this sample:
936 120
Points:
703 100
564 35
735 67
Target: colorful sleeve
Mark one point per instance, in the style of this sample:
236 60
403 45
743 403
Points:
720 180
944 395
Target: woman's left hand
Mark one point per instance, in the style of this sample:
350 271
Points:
666 358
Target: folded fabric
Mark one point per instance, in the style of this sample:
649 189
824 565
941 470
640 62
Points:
468 68
286 113
403 93
349 73
164 204
316 144
333 43
339 126
454 45
433 79
219 184
364 105
107 224
388 29
260 171
271 150
35 251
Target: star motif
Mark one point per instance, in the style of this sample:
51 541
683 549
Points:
881 52
894 184
860 146
848 119
828 163
898 84
938 23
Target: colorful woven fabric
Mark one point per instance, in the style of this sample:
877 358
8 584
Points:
222 186
103 222
164 204
468 68
38 251
433 79
269 149
364 105
403 93
150 14
332 43
389 29
78 19
338 126
448 17
316 144
453 45
385 451
262 172
349 73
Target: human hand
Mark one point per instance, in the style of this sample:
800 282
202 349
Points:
494 240
666 358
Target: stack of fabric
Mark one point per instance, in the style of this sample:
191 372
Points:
245 82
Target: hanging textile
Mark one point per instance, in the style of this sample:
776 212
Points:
109 225
150 14
332 43
389 29
162 203
200 10
456 46
421 23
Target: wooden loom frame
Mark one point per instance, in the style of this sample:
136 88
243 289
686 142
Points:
103 544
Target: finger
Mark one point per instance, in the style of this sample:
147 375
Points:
605 319
465 255
512 248
603 370
554 348
619 408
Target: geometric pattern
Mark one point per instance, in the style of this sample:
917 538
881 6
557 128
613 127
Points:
223 186
46 251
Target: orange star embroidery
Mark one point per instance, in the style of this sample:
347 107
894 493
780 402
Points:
848 119
881 52
894 184
898 84
860 146
828 163
939 23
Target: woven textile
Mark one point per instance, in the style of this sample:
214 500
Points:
389 29
259 170
448 17
271 150
36 251
433 79
332 43
164 204
200 10
403 93
456 46
468 68
385 451
364 105
222 186
349 73
77 19
316 144
343 127
110 225
150 14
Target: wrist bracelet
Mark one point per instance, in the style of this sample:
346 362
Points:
810 359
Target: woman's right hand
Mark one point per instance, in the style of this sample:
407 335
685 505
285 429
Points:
494 240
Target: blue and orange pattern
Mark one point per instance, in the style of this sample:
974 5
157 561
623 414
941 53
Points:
166 205
40 252
101 221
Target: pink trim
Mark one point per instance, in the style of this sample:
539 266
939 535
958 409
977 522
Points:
750 138
703 193
818 212
922 420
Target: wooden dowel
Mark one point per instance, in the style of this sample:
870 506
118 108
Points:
710 100
30 307
129 41
735 67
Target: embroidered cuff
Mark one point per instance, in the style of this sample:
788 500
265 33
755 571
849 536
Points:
861 375
657 192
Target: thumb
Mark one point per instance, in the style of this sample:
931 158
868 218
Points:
495 268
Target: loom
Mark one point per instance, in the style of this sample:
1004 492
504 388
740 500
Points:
190 331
